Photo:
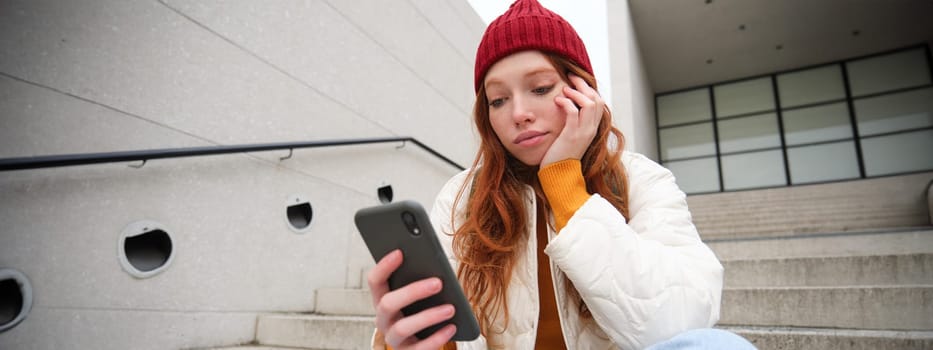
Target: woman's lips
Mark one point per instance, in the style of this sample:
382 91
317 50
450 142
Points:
529 138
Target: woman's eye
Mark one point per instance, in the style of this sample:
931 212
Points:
496 102
542 90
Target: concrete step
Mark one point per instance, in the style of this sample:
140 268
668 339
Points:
751 227
761 206
732 220
342 301
886 192
857 307
915 240
896 201
757 203
909 269
315 331
769 209
783 338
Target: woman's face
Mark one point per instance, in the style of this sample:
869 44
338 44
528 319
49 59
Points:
521 90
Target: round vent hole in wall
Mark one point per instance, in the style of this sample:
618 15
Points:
15 298
299 213
148 251
145 249
385 194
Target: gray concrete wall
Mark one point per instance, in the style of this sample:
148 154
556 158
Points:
108 75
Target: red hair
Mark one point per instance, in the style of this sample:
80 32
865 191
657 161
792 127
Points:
495 226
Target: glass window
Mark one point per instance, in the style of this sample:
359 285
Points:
687 141
743 97
825 162
751 170
816 124
684 107
898 153
888 72
811 86
902 111
733 140
696 175
746 133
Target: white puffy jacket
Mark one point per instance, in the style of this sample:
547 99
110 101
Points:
644 280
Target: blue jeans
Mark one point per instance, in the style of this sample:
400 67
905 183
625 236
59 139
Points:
702 339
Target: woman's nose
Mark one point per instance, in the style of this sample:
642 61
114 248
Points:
521 113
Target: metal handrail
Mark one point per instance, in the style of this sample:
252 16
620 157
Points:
61 160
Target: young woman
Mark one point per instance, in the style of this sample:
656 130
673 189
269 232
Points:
560 239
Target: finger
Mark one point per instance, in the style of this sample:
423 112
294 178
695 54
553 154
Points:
406 327
580 85
579 98
588 91
573 118
599 105
392 302
378 277
399 298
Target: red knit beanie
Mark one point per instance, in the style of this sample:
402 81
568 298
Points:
527 25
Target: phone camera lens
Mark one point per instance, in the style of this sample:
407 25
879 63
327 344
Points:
408 217
410 223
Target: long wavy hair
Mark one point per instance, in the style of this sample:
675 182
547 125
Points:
496 227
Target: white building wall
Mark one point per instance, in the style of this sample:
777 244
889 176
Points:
632 94
109 75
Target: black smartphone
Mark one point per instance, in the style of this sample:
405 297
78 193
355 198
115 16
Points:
404 225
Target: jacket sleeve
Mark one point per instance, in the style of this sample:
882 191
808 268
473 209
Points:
647 279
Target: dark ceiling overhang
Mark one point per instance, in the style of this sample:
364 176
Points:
687 43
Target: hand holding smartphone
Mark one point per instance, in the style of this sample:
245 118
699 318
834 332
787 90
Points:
405 226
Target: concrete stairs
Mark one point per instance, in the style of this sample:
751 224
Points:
309 331
830 292
826 266
343 319
315 331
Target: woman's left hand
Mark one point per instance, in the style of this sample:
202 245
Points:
581 122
